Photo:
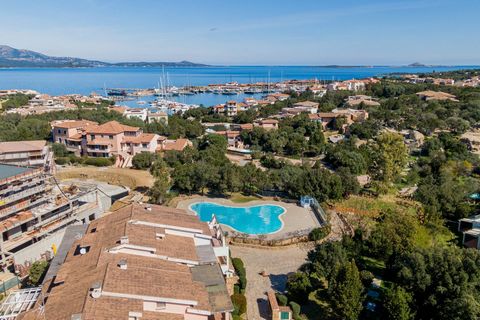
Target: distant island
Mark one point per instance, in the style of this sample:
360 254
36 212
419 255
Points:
21 58
417 64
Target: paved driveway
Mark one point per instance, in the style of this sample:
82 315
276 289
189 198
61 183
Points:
277 263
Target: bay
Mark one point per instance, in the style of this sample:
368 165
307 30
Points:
59 81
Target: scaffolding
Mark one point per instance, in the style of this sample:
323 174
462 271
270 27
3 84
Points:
19 301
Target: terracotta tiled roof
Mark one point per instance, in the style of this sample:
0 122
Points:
112 127
142 138
269 121
177 145
70 124
145 277
306 104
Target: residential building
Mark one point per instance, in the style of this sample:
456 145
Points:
472 140
232 107
157 116
470 229
354 115
173 145
436 95
355 101
278 96
136 113
105 140
307 106
35 210
70 133
267 124
26 153
111 139
327 119
141 262
233 138
349 116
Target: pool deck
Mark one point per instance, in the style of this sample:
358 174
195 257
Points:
295 218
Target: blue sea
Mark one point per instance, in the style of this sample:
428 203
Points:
58 81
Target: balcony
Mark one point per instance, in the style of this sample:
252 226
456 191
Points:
98 150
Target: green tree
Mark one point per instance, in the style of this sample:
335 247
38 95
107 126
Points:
346 292
393 234
59 150
158 193
298 286
443 281
143 160
396 304
392 156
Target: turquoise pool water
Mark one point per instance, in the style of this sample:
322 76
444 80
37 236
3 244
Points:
260 219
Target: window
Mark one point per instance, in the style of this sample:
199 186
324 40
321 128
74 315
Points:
92 137
110 137
144 145
284 315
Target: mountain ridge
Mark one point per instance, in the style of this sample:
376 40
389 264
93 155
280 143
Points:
22 58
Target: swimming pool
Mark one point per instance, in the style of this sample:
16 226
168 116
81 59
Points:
261 219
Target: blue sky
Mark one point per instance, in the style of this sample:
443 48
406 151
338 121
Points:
245 32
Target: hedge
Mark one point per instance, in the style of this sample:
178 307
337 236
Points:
241 272
282 299
98 162
295 310
239 303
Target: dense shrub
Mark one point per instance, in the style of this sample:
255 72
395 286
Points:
36 272
62 161
241 272
236 288
98 162
282 299
319 233
239 303
295 310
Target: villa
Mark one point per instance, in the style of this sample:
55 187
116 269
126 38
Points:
266 124
354 101
436 95
87 138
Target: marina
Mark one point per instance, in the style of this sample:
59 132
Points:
61 81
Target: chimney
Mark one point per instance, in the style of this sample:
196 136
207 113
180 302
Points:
122 264
124 240
96 290
148 208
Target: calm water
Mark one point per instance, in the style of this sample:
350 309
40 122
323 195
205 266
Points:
57 81
261 219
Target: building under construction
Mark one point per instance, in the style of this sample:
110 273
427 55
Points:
35 210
